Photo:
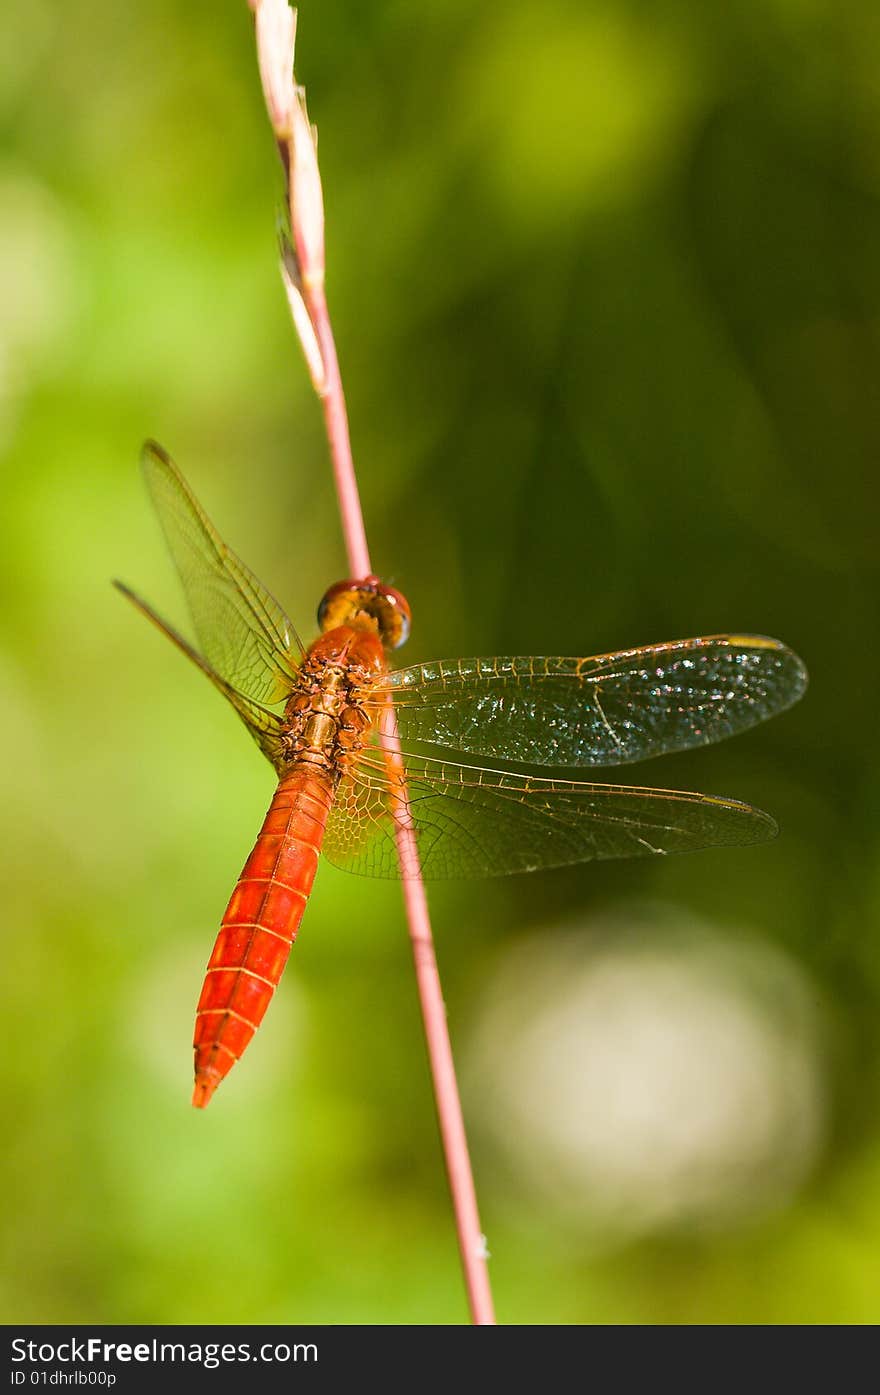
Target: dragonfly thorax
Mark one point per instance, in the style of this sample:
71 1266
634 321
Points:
325 717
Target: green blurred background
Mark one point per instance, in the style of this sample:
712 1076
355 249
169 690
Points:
605 284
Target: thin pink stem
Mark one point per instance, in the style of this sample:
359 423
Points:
471 1241
304 282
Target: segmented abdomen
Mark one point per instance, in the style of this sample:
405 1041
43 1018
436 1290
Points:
259 926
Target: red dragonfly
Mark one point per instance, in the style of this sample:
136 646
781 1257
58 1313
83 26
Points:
317 713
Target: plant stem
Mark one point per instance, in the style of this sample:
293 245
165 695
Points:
303 274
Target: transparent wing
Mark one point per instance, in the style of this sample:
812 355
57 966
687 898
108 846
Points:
607 710
475 823
264 726
242 630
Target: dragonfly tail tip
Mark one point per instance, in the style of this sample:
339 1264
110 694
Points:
202 1092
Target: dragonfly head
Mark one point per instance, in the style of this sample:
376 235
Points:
367 605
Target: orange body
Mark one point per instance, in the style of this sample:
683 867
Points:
325 731
259 926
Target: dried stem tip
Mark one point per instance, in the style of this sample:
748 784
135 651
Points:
276 36
285 103
302 266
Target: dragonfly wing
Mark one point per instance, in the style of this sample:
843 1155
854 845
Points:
475 823
242 630
608 710
264 726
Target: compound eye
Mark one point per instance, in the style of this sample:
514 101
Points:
367 605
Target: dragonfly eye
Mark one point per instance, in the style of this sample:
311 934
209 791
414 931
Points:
367 605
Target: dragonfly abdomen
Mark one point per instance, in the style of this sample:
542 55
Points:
260 925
